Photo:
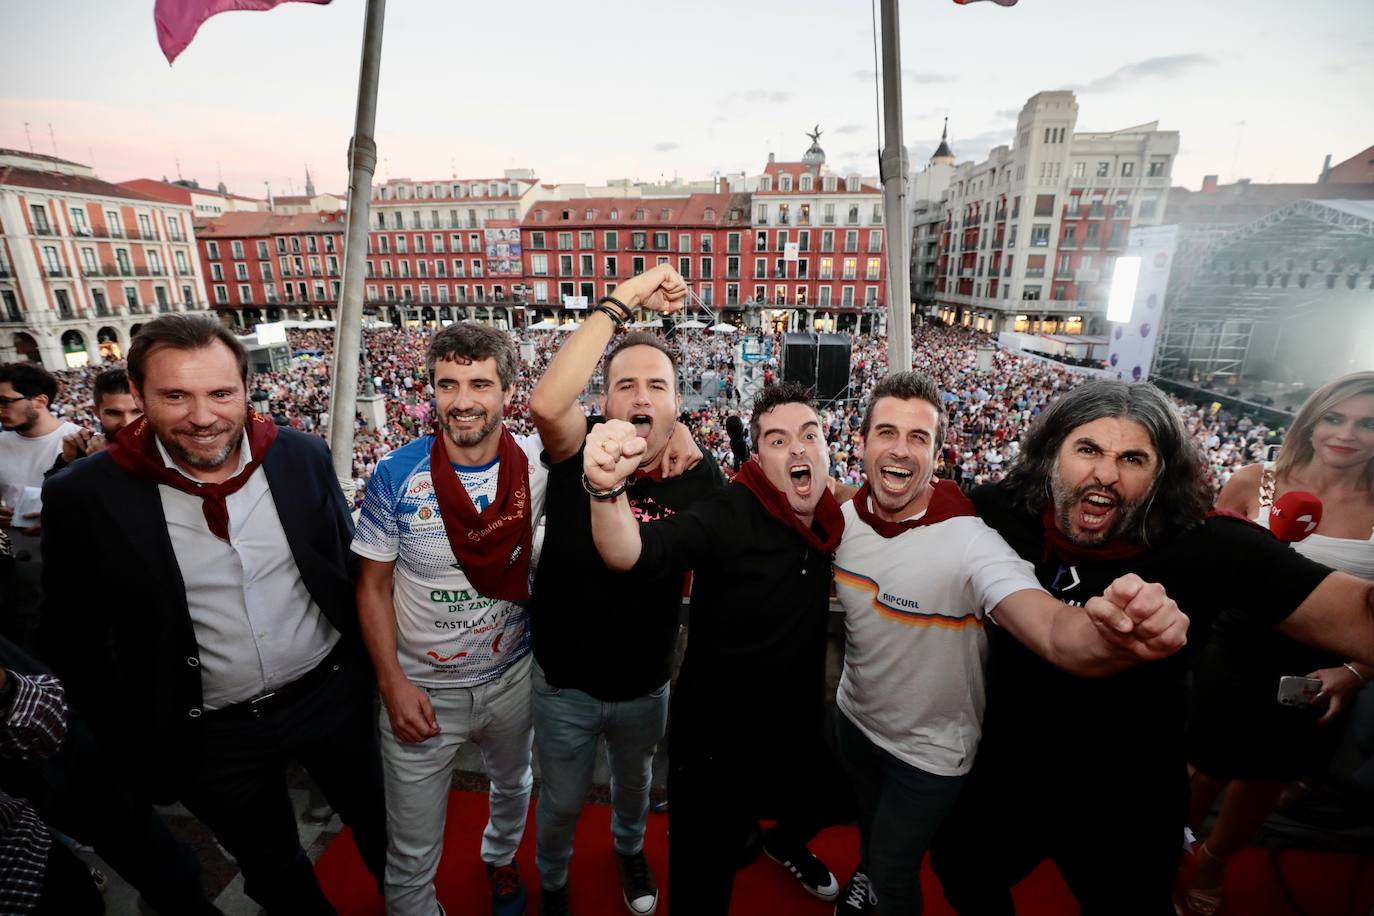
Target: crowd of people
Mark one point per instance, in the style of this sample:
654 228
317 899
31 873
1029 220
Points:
513 578
990 408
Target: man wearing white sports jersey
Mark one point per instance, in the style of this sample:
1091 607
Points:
445 537
911 694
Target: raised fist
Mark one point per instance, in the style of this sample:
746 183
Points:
1138 617
613 452
659 289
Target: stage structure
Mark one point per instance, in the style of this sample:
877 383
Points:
1288 298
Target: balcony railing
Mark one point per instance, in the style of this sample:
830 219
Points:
46 230
58 272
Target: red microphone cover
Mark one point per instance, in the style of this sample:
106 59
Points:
1295 515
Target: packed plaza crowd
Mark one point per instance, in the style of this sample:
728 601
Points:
260 623
990 409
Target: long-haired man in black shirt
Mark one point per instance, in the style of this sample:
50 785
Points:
1091 773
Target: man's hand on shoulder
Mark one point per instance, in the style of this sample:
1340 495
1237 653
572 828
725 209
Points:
1139 618
682 452
612 454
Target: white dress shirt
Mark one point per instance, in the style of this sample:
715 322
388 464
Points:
257 626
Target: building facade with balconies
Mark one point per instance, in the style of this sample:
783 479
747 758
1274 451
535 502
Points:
269 266
83 262
583 247
839 272
445 250
1031 234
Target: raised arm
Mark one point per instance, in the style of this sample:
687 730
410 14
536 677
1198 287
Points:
553 404
1132 622
612 454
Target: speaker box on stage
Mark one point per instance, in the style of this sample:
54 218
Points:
799 359
819 362
832 367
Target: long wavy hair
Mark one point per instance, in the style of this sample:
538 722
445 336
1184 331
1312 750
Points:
1297 444
1180 494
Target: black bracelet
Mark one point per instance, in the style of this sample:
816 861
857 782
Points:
625 313
616 318
610 494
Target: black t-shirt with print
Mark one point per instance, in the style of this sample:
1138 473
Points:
593 630
1222 563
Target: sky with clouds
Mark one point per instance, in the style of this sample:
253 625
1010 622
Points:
647 89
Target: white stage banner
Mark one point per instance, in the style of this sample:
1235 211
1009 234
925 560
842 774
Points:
1132 342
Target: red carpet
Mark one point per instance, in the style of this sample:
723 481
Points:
1323 884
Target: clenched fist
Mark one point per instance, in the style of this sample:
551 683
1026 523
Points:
659 289
613 452
1139 618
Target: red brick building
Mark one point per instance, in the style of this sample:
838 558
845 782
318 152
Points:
583 247
83 261
836 224
266 266
441 250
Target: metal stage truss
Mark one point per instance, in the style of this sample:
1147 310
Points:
1231 287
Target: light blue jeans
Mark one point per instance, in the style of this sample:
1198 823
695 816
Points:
496 717
567 724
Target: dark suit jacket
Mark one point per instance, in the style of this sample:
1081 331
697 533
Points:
116 626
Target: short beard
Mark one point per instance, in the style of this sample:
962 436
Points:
878 495
26 424
468 440
212 463
1065 499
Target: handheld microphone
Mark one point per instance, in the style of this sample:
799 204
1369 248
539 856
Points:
1294 516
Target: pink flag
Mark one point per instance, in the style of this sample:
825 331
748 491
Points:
178 20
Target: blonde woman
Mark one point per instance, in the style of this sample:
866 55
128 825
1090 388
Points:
1238 733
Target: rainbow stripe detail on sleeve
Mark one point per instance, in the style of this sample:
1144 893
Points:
910 616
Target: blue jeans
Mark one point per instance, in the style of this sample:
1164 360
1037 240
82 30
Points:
567 724
900 808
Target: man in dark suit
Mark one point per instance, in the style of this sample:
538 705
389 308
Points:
199 606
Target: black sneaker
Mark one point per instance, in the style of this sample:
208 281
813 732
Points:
800 861
637 880
858 897
507 890
555 902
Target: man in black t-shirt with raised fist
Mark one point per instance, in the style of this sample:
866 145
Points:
603 644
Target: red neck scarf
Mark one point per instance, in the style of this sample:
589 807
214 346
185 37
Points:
492 546
1057 543
135 450
946 501
828 517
